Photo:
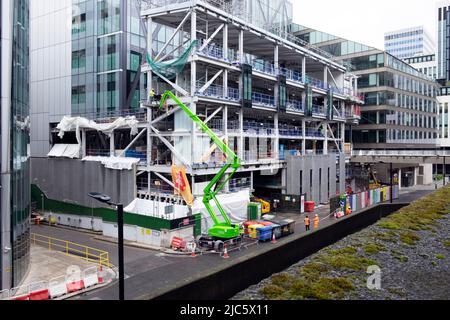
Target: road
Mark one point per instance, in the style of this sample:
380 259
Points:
149 271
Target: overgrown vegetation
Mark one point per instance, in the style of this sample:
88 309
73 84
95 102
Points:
374 248
317 279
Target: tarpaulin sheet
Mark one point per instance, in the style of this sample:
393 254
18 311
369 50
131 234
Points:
115 163
69 124
71 151
234 204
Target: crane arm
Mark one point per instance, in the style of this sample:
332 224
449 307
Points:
233 161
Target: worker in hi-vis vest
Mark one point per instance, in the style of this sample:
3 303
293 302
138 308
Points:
307 223
316 221
152 95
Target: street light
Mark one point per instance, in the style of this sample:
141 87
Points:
107 199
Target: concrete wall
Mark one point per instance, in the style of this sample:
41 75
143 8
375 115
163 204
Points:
320 190
71 180
73 221
50 68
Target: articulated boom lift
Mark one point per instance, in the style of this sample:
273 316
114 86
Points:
221 230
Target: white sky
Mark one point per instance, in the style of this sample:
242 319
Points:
366 21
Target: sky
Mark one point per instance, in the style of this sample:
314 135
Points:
366 21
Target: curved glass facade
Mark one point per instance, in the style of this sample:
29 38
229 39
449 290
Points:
20 143
15 140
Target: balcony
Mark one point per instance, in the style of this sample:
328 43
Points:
314 133
290 131
315 83
264 67
217 91
294 105
318 110
292 75
263 100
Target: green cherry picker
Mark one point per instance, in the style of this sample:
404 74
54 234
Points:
221 231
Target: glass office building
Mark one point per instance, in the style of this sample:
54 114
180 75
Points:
443 17
107 46
410 42
400 102
15 143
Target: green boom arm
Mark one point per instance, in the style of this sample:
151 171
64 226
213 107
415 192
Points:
224 230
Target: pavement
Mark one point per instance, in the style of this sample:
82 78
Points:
150 273
46 265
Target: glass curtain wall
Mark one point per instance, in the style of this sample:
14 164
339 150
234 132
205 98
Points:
101 77
20 144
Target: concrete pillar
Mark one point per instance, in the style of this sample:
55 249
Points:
150 51
284 179
416 172
304 69
149 137
276 59
241 46
325 143
83 143
304 137
193 106
112 145
325 76
241 140
225 41
276 148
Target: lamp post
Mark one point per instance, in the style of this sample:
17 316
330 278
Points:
106 199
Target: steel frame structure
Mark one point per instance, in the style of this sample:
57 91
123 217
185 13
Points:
211 86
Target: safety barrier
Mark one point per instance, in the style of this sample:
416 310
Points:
74 249
365 199
59 286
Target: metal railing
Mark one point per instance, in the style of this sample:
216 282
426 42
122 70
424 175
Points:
318 110
72 249
263 99
312 132
294 105
402 153
107 116
217 91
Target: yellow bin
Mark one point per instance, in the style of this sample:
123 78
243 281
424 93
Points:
252 230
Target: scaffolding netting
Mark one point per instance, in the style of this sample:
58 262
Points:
171 68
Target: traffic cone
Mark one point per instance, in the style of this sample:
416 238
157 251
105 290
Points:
274 239
100 274
193 254
225 253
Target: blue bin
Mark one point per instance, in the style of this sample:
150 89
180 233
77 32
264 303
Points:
264 233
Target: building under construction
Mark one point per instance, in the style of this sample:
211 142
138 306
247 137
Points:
279 103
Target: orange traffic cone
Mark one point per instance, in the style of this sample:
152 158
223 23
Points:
225 253
274 239
100 274
193 254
